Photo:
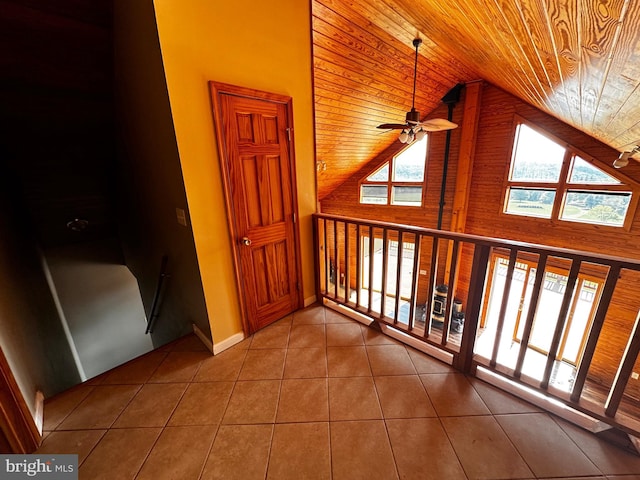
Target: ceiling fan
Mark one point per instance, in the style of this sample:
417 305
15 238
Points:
413 128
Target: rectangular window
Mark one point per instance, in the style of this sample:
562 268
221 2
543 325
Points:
375 194
530 202
594 207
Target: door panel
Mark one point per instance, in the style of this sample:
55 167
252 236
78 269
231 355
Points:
260 194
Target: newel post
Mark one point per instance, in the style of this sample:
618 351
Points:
477 284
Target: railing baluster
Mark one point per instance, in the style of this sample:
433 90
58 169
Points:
385 255
414 280
594 334
453 274
396 313
347 258
358 265
336 266
327 264
624 371
560 322
513 257
531 314
433 274
371 254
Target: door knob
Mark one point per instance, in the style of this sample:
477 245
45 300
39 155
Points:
246 241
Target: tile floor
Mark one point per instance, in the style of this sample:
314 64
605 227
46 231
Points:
313 396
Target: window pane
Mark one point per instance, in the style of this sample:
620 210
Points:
600 208
408 165
584 172
373 194
530 202
380 175
406 196
535 158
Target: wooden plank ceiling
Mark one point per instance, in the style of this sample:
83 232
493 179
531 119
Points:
578 60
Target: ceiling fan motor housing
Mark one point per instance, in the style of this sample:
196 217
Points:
413 116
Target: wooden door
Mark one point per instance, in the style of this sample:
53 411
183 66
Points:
256 154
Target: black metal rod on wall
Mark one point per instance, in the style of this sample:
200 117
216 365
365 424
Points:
450 99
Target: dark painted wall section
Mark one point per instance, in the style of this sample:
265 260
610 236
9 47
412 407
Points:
31 335
151 175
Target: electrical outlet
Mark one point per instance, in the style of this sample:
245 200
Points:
423 272
635 375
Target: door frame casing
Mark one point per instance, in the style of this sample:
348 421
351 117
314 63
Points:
217 89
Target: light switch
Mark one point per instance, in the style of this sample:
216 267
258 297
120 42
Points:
181 216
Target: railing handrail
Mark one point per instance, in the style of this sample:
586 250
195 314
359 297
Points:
590 257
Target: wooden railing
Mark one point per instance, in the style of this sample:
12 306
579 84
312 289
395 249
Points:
396 275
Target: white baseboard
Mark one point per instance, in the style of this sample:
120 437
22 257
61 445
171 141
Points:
38 416
203 338
227 343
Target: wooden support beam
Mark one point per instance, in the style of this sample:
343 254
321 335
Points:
470 121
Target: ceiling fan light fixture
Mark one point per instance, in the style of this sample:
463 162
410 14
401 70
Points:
403 137
623 159
420 134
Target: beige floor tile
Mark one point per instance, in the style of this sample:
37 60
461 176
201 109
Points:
225 366
348 362
120 454
426 364
273 336
135 371
178 367
306 363
422 450
307 336
499 401
253 402
303 400
361 451
179 453
390 360
452 395
80 442
610 459
240 452
403 396
483 448
310 315
344 334
545 447
202 404
263 364
152 406
353 398
300 450
100 408
332 316
57 408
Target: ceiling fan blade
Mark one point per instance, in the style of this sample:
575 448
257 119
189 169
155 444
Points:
437 125
389 126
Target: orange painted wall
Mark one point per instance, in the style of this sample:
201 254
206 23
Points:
261 45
